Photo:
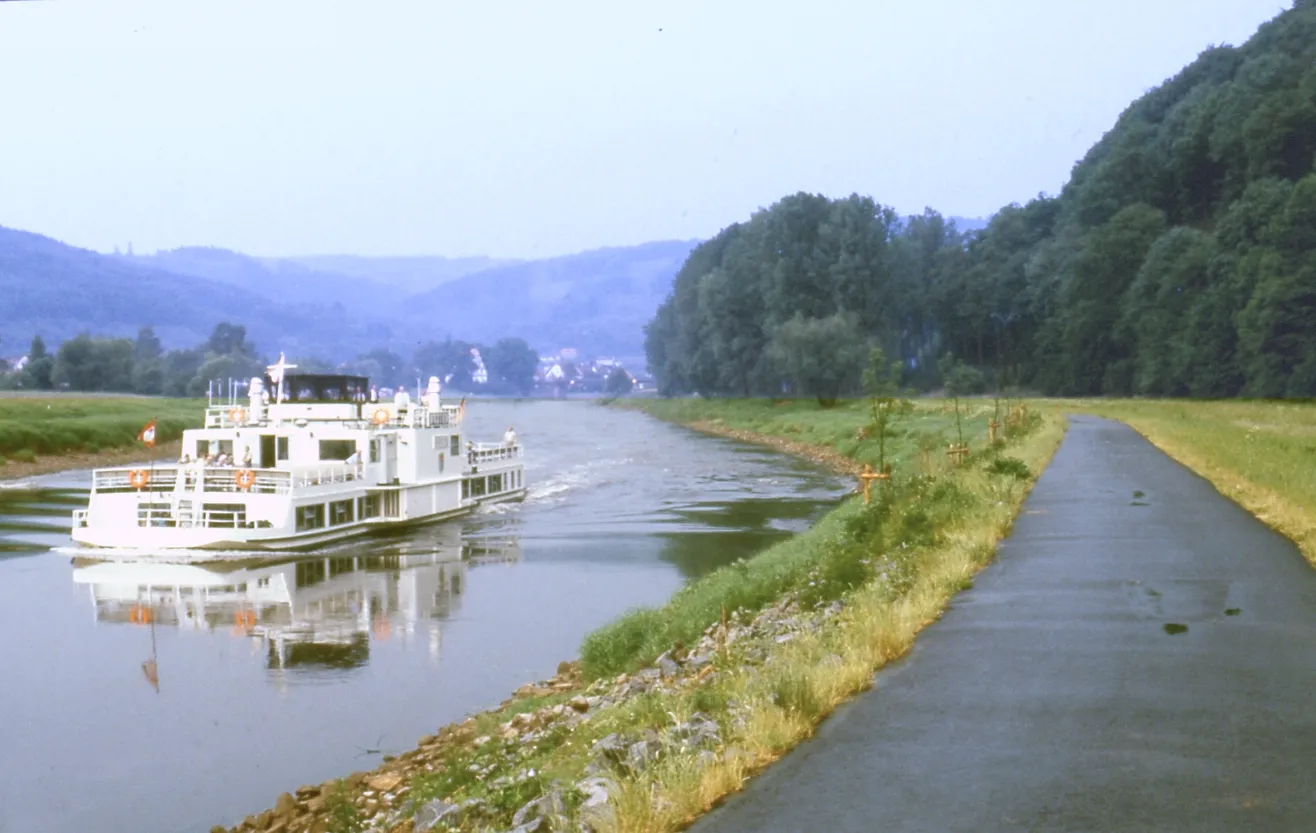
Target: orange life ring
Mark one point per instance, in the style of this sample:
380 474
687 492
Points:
245 478
137 478
139 615
244 619
237 415
380 416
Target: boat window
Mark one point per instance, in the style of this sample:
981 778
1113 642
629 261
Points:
154 514
202 449
310 517
226 515
374 451
466 489
477 487
340 512
441 461
367 507
495 483
337 449
455 445
281 446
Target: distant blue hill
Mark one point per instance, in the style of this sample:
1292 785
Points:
335 306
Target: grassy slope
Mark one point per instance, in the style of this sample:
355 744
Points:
59 424
1260 454
939 528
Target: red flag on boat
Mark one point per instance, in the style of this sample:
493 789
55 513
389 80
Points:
148 434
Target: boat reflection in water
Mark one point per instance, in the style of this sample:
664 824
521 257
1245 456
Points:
311 612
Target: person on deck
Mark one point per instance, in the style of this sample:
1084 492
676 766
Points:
509 439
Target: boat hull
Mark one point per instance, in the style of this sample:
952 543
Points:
165 539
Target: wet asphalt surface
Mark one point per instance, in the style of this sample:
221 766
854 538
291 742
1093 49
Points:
1141 656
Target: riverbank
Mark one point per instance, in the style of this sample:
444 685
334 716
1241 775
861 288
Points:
654 745
1258 454
165 453
54 432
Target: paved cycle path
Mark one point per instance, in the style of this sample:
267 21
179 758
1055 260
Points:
1141 656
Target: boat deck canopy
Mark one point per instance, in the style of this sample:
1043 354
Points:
324 387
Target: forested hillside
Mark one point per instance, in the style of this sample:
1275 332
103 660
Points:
1180 259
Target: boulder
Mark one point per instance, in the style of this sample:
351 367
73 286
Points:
386 782
667 667
548 812
641 754
596 812
610 750
438 810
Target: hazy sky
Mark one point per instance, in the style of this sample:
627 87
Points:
524 129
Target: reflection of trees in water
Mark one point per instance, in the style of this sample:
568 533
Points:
740 529
36 510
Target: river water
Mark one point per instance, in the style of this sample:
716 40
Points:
203 715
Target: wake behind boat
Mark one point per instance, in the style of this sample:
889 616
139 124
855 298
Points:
320 463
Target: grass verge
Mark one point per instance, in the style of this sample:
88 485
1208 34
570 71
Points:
1262 455
55 425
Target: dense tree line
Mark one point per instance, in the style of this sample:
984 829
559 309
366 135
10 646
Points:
1179 260
141 365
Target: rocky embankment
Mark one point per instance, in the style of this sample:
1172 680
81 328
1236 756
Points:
492 757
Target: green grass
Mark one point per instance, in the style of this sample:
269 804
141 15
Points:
925 432
58 424
1260 454
838 554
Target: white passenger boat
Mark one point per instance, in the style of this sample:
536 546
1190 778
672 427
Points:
318 463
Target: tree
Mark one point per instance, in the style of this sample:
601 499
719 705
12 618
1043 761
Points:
821 357
449 359
37 373
148 371
380 365
619 382
179 369
94 364
885 404
960 380
512 364
229 340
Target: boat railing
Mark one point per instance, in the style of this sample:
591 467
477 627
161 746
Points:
228 416
414 416
489 452
331 473
377 414
195 519
213 479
